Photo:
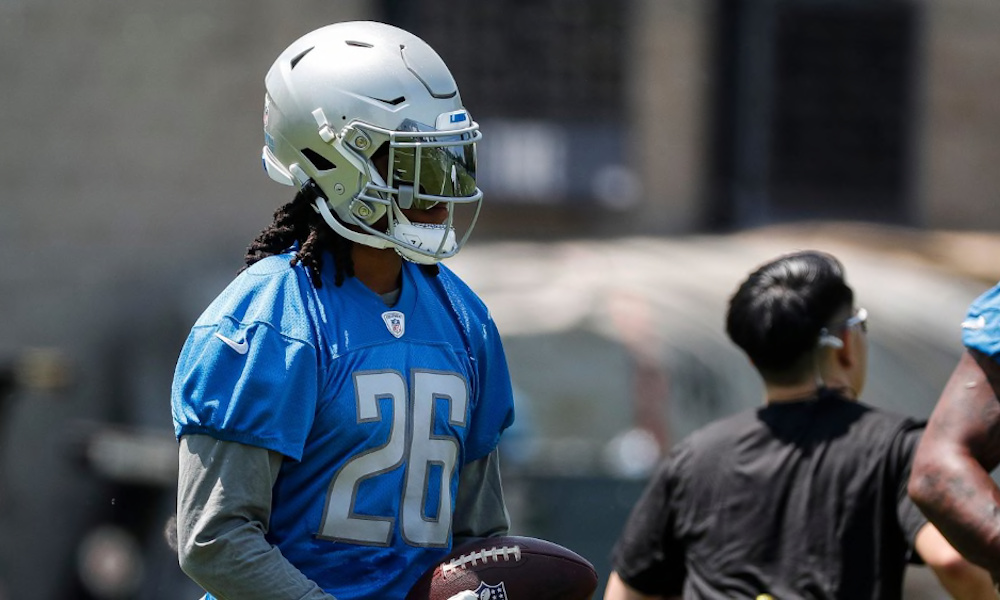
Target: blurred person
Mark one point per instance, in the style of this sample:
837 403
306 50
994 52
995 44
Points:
339 406
951 479
803 497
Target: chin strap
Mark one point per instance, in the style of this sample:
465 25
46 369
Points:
422 243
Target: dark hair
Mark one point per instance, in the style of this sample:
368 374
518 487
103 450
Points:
298 222
776 314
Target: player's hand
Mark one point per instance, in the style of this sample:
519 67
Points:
466 595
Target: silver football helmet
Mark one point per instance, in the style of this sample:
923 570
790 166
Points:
350 96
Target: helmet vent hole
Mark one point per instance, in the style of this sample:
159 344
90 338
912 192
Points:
300 56
359 44
318 161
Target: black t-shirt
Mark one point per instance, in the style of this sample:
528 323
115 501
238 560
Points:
796 500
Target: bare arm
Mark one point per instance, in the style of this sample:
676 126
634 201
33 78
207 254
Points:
960 578
950 481
619 590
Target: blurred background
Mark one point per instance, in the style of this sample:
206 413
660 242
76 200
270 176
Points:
640 157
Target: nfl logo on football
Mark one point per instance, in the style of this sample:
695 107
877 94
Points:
491 592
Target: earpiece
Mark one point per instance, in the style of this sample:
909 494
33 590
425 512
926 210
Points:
828 340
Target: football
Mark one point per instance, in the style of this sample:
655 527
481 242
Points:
509 568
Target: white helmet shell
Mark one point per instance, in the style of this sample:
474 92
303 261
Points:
350 92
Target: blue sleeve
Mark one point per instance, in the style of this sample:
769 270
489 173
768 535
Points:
260 389
981 328
494 407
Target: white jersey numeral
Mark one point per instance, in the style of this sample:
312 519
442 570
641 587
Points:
411 441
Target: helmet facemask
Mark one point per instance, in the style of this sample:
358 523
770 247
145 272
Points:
421 167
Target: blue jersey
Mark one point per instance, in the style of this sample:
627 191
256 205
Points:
376 409
981 328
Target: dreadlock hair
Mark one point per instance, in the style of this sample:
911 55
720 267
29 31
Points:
298 221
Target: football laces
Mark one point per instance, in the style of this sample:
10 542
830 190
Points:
503 553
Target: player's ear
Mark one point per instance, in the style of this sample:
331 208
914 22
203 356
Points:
849 354
839 347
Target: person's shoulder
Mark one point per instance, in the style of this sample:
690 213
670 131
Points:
271 276
458 291
270 290
702 450
878 426
274 266
990 299
884 416
981 328
721 431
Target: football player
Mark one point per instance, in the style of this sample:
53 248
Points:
339 405
951 479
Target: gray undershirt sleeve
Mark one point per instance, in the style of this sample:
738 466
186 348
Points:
479 506
223 511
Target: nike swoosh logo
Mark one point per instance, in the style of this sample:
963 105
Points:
977 323
240 347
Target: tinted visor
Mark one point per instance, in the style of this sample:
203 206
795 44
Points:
440 164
